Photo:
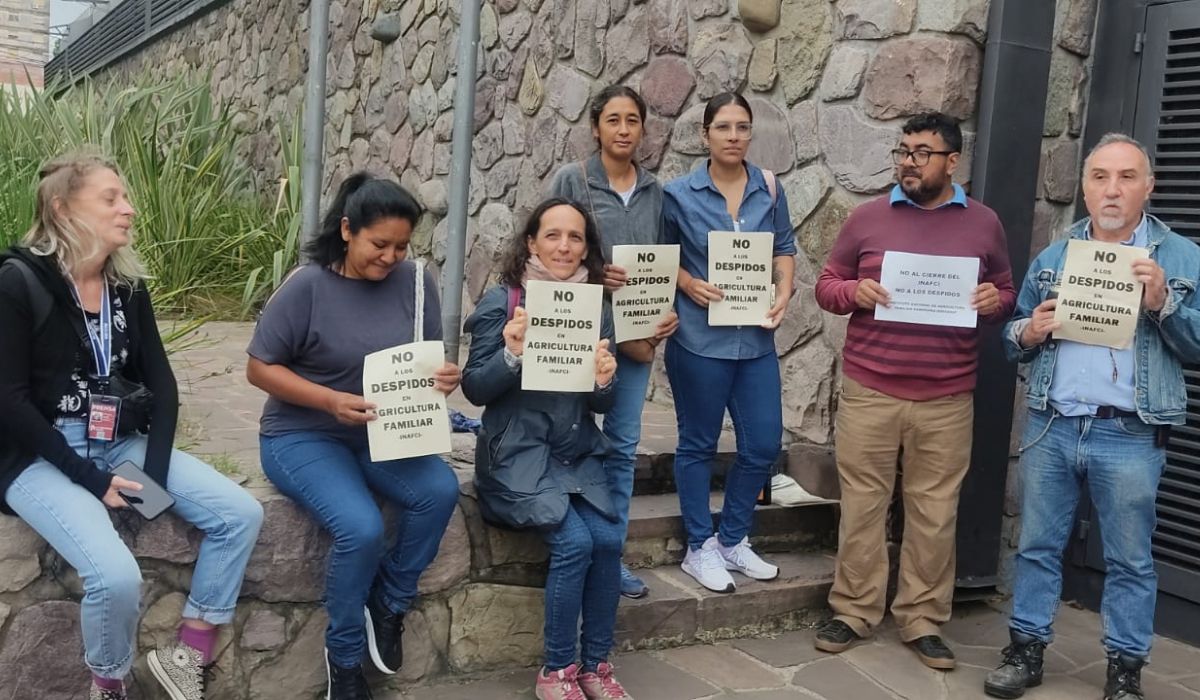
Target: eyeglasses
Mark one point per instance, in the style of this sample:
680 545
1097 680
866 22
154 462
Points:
919 158
724 129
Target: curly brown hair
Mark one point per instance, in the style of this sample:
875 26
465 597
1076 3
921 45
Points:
513 271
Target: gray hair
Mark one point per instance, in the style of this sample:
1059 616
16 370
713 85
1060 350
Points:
1117 137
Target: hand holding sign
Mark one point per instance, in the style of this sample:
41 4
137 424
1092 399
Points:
1041 324
869 293
561 340
606 364
1100 293
985 299
667 326
1154 293
614 277
349 409
739 264
702 292
447 377
514 331
409 383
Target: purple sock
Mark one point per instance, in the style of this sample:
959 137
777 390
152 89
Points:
107 683
202 641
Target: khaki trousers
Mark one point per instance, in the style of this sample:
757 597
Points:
935 439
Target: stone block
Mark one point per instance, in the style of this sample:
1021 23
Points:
589 38
844 72
44 636
425 634
808 383
858 151
875 19
264 630
967 17
628 45
514 27
488 146
667 615
668 26
723 666
531 93
920 73
288 563
656 132
720 55
759 15
666 85
302 679
804 43
1078 25
806 188
493 625
772 146
686 136
762 73
803 121
567 92
19 550
1068 77
1060 171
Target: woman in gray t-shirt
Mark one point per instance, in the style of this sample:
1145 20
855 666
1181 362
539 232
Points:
358 295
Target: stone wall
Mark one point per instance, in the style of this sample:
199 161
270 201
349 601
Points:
273 649
830 83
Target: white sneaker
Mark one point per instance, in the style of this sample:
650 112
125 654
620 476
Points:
708 568
741 558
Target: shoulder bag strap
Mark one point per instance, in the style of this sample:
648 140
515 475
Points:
419 301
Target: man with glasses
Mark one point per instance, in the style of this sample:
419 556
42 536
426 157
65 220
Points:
907 393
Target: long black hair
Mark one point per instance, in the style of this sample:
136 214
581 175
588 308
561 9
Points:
362 200
718 101
518 253
602 98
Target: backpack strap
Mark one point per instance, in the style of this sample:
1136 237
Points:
419 301
587 188
39 297
772 185
514 300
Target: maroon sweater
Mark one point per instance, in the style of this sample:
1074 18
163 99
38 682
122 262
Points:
904 360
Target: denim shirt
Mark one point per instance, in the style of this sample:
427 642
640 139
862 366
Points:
692 207
1164 339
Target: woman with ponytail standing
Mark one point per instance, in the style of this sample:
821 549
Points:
357 294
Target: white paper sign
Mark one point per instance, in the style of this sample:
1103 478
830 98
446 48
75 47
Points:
649 290
1098 297
929 289
412 420
739 264
560 342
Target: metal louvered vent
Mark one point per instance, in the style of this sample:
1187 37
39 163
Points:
127 26
1169 123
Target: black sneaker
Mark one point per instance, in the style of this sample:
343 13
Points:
835 636
1124 678
1020 669
385 630
933 652
345 683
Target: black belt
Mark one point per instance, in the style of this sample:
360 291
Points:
1113 412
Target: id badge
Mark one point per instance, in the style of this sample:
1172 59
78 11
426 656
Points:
103 412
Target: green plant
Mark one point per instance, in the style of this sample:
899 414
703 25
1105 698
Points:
205 231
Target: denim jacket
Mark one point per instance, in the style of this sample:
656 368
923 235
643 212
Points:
1164 340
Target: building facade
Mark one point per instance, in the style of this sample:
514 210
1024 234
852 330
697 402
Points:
24 42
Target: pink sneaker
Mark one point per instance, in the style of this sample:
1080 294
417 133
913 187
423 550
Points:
559 685
601 685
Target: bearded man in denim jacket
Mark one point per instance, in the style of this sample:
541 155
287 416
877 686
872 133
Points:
1100 416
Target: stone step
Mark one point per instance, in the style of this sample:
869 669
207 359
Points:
656 535
813 467
679 611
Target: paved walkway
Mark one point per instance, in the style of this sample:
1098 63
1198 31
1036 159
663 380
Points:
788 668
220 420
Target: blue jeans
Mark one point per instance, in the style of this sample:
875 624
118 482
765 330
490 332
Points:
584 579
703 388
623 427
77 526
1121 466
333 480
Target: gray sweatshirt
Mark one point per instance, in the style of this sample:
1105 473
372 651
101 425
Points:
638 223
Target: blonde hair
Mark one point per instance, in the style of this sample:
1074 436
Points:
56 233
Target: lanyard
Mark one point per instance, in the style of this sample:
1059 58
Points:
102 343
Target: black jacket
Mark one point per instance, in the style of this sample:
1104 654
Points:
536 448
35 372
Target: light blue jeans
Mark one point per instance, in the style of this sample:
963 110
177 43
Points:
623 427
77 526
1121 466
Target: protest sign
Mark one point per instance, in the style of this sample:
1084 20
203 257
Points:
560 341
739 264
411 417
929 289
1098 296
649 290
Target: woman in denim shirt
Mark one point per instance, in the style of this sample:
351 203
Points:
734 367
625 201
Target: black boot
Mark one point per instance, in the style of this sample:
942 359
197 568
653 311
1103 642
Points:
1124 678
385 631
1020 669
346 683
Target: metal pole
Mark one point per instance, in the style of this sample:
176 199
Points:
314 118
460 178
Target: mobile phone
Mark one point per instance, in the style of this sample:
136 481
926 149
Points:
152 501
